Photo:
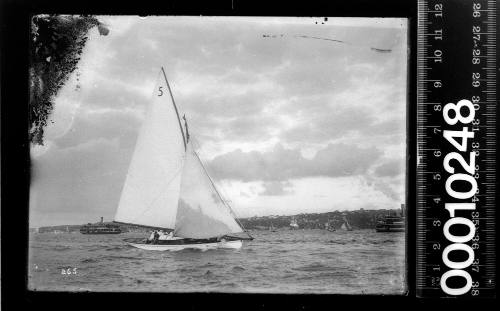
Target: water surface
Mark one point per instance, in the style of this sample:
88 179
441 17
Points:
288 261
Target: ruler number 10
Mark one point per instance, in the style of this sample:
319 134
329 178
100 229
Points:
438 56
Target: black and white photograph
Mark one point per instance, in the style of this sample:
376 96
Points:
218 154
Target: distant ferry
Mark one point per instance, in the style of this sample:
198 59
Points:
294 224
100 228
391 224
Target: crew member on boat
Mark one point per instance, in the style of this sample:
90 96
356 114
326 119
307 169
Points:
161 235
164 236
151 237
156 237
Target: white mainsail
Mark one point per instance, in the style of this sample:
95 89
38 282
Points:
167 186
151 191
201 212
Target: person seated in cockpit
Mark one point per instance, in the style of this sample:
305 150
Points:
168 236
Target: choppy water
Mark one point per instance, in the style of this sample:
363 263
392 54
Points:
298 261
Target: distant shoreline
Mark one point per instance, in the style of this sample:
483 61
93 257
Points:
359 219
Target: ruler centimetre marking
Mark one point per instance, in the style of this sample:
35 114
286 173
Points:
456 148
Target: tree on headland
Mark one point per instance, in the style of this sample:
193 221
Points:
57 42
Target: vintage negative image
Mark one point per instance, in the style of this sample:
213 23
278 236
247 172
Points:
218 154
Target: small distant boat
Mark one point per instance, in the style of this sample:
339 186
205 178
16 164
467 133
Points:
345 225
271 228
99 228
391 224
168 188
294 224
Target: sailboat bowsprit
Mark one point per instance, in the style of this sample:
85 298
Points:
168 188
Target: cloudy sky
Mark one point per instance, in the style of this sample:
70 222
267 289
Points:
285 124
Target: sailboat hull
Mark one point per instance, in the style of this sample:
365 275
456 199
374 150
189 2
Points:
181 245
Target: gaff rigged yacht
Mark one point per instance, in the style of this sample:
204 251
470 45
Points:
167 187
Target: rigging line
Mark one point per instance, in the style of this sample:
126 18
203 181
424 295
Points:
220 197
220 189
195 141
226 204
210 179
175 107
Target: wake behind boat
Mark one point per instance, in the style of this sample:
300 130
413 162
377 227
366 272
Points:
168 188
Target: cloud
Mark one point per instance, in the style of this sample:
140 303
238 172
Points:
91 124
77 163
227 76
281 164
329 124
113 94
82 180
276 188
390 168
393 188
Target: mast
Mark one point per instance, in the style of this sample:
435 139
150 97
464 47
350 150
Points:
175 106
